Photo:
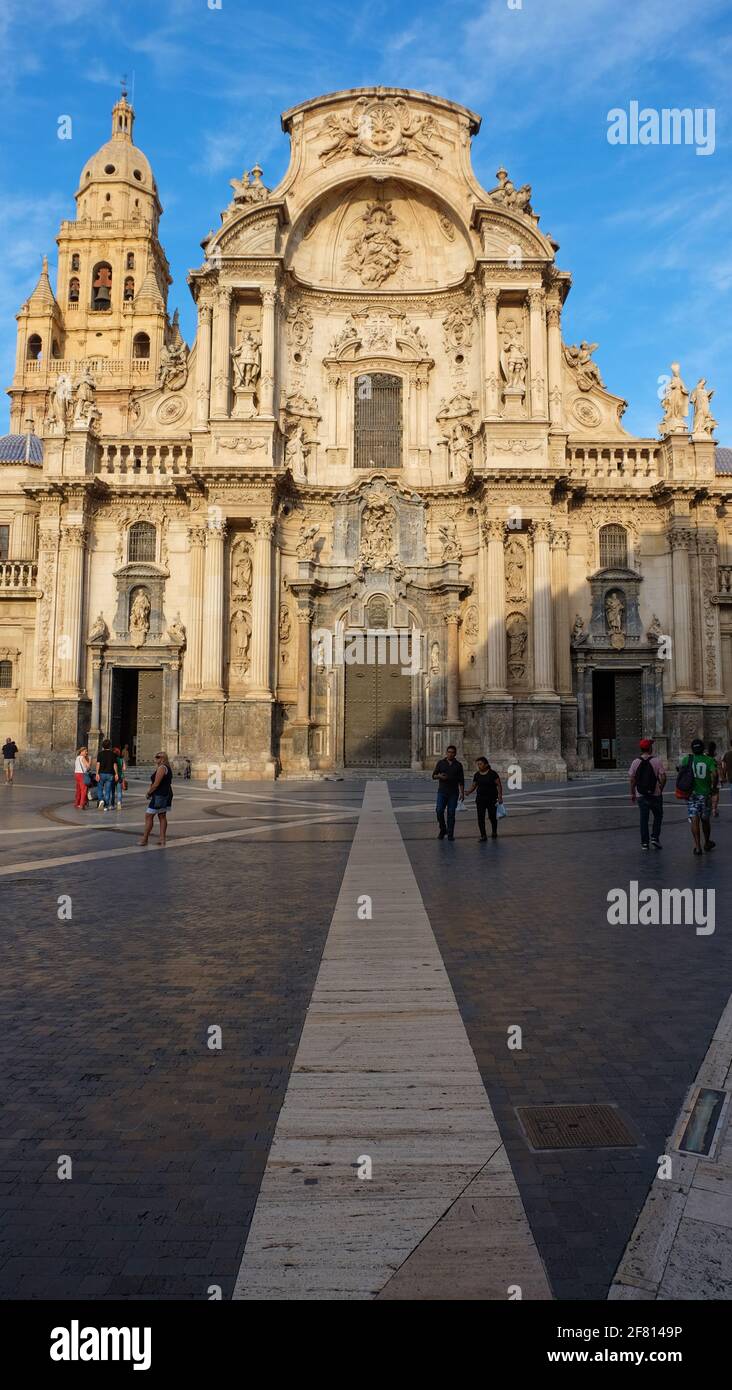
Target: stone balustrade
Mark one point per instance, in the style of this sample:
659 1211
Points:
98 366
147 458
17 575
614 460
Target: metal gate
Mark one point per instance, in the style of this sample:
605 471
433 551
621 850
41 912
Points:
378 421
378 716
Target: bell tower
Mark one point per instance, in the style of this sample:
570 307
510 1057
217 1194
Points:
111 295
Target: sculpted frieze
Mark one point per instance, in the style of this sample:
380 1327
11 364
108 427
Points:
379 129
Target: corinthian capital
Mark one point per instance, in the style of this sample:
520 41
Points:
264 528
541 531
493 530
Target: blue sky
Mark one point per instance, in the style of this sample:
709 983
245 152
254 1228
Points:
644 230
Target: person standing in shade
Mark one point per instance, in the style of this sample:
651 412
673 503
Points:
449 773
647 781
712 751
704 769
10 751
160 793
81 772
121 770
107 774
488 795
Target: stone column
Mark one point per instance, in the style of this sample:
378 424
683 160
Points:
304 620
197 543
95 731
422 382
452 713
260 672
494 605
679 540
68 638
538 353
174 696
490 349
266 380
213 630
562 656
554 371
221 363
708 562
48 539
203 365
541 618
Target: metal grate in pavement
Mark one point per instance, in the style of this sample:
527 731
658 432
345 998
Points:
575 1127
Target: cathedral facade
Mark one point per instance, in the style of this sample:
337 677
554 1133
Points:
379 506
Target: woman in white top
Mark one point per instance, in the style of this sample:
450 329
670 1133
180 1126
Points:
81 767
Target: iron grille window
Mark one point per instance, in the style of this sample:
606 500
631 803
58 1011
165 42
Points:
4 542
613 547
6 675
378 421
142 542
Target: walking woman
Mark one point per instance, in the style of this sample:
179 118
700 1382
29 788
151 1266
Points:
121 783
160 793
488 794
81 772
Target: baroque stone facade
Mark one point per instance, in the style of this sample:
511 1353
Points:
378 432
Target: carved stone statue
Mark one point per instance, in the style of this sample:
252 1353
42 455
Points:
451 547
580 360
675 404
434 658
614 611
250 190
378 538
173 372
460 448
376 252
176 631
285 627
655 631
242 576
515 571
507 195
578 629
139 617
517 633
84 399
296 452
99 631
704 422
241 636
514 359
305 548
58 410
246 361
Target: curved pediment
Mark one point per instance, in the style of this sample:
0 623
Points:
379 234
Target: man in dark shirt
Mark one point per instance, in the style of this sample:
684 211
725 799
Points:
449 773
10 748
107 774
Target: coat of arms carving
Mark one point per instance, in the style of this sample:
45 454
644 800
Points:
381 130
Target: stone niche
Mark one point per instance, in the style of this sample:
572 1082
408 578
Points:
407 509
615 622
140 578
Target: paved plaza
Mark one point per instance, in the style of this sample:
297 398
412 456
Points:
358 1129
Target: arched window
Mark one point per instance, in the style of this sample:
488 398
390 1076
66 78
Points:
6 675
74 289
142 542
130 265
377 441
613 547
75 262
102 286
129 292
140 345
35 348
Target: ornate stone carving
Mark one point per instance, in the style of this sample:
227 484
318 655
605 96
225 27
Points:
517 634
434 658
471 627
513 357
675 404
457 327
515 555
59 404
285 625
578 630
586 372
305 548
296 451
139 623
615 611
300 334
240 636
586 413
515 446
99 631
173 370
459 441
248 189
376 252
177 632
85 410
379 129
514 199
378 547
704 422
246 361
242 568
451 547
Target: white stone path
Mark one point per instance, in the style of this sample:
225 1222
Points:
385 1071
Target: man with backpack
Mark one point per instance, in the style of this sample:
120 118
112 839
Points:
697 780
647 781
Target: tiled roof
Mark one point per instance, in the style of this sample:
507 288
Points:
13 448
722 459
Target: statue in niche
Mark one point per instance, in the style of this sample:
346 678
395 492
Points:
614 611
655 631
243 571
514 360
704 422
139 617
241 636
675 403
285 627
577 629
515 571
434 658
246 362
296 452
451 548
378 538
517 634
460 448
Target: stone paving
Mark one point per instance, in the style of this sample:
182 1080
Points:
105 1056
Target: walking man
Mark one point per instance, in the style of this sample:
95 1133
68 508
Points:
107 774
705 783
449 773
647 781
10 749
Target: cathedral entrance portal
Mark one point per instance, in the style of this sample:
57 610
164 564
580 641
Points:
137 712
617 717
378 715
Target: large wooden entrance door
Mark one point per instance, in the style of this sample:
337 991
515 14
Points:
617 717
378 716
149 715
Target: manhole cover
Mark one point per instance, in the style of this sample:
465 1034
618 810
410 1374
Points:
575 1127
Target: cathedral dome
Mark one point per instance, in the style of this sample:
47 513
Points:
119 161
